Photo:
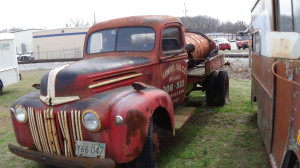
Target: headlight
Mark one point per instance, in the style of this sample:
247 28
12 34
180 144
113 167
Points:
91 120
21 114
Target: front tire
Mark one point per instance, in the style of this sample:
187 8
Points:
148 157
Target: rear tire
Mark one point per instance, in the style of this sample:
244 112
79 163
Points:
1 90
222 88
290 160
148 157
211 89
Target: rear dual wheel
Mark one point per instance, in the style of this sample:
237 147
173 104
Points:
222 88
217 88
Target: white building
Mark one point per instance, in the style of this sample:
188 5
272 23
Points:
9 71
24 40
64 43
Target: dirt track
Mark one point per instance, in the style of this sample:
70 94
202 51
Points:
239 68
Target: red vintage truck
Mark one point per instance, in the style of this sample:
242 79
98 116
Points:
243 40
276 78
105 109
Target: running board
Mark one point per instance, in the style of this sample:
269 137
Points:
182 115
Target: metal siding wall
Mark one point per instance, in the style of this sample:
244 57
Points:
59 46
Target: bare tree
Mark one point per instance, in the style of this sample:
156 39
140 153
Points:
12 29
77 23
208 24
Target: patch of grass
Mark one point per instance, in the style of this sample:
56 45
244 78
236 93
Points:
221 137
10 95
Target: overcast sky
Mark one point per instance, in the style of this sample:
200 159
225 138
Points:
51 14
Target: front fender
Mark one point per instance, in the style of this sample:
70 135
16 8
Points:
136 109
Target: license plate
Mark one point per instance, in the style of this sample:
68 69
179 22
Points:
90 149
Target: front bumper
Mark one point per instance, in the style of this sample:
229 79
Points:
61 161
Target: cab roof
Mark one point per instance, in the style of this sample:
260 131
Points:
147 20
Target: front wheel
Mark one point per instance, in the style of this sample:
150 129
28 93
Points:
148 157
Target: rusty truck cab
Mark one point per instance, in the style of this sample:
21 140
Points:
159 39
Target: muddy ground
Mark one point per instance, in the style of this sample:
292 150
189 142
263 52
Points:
238 68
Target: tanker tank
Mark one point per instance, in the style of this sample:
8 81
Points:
203 45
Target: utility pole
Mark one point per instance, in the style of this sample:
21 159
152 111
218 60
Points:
185 10
185 21
94 17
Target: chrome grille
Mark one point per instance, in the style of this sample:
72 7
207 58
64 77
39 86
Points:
46 136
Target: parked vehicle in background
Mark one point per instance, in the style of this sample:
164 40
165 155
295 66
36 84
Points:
19 55
223 43
106 109
275 57
9 72
28 55
243 40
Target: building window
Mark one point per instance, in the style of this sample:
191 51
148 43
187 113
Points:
4 46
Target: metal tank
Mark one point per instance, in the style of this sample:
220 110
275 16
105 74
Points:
203 45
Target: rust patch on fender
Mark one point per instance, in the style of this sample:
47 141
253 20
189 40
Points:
136 123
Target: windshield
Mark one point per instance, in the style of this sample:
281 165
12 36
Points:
245 38
122 39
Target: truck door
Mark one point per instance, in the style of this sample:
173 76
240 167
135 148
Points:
173 62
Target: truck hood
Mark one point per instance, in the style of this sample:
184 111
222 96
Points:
87 77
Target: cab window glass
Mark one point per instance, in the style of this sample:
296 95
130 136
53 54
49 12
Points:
256 43
135 39
285 18
171 39
296 13
102 41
